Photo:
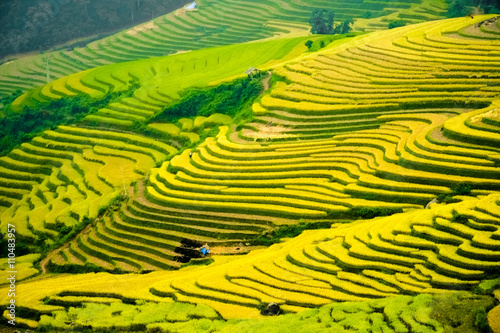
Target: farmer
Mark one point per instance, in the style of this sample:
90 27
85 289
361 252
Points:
205 249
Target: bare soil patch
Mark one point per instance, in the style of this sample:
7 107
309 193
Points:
266 82
475 30
239 249
267 131
144 27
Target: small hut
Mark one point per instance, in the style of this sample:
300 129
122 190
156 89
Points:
252 71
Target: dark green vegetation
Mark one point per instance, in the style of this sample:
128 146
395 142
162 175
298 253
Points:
213 23
460 189
458 312
22 246
36 25
318 44
289 231
19 127
481 321
396 23
229 99
79 269
371 212
458 8
112 317
142 234
322 22
488 286
462 312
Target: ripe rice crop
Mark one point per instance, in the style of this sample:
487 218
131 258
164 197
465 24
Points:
406 127
431 274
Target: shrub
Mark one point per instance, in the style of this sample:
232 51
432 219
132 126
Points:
371 212
459 218
227 99
288 231
482 321
446 198
462 189
488 286
325 41
396 24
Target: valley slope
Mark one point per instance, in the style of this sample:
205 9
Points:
374 124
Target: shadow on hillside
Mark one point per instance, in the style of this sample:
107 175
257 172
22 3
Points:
188 249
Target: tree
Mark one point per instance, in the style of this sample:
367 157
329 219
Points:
321 21
149 7
84 5
309 43
38 17
348 26
457 9
107 11
342 28
27 25
490 6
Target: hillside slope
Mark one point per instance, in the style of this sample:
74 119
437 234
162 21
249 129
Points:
338 138
212 23
378 123
358 137
424 251
68 173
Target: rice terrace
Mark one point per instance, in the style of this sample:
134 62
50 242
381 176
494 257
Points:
250 166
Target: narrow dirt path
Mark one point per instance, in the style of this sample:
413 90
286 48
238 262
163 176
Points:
266 82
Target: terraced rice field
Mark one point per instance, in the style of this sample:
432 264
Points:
388 120
234 187
64 175
417 252
161 79
213 23
430 251
311 165
72 172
